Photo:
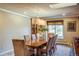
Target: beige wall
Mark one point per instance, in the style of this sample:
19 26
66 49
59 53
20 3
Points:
12 26
68 36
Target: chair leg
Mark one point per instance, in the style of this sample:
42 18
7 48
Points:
49 53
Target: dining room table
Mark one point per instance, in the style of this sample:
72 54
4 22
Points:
36 45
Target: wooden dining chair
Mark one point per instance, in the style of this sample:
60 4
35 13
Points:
26 37
34 37
20 48
76 45
50 47
54 43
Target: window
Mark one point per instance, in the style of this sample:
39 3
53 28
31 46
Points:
56 28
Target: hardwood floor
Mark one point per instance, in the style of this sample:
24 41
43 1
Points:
62 50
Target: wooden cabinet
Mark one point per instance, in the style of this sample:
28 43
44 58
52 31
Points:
34 29
33 26
37 25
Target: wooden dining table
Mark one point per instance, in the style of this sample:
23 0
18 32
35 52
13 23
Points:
36 44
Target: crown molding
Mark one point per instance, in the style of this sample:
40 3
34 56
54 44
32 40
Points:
11 12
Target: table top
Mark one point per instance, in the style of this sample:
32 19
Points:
35 43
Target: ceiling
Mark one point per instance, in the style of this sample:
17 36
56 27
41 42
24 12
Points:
41 10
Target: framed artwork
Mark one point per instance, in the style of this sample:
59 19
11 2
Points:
71 26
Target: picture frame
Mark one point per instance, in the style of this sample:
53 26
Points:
71 26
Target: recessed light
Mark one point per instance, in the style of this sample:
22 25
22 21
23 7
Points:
64 14
25 12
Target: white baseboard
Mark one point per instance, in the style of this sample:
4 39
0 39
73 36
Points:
5 52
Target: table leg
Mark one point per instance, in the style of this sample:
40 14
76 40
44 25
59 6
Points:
38 53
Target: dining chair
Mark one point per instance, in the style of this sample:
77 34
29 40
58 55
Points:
34 37
26 37
50 47
47 50
20 49
76 45
54 43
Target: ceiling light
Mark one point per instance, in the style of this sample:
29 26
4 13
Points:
61 5
25 12
63 14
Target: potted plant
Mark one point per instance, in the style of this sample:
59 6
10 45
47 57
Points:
41 31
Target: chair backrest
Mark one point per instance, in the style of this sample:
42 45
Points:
33 37
51 42
18 47
54 40
26 37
